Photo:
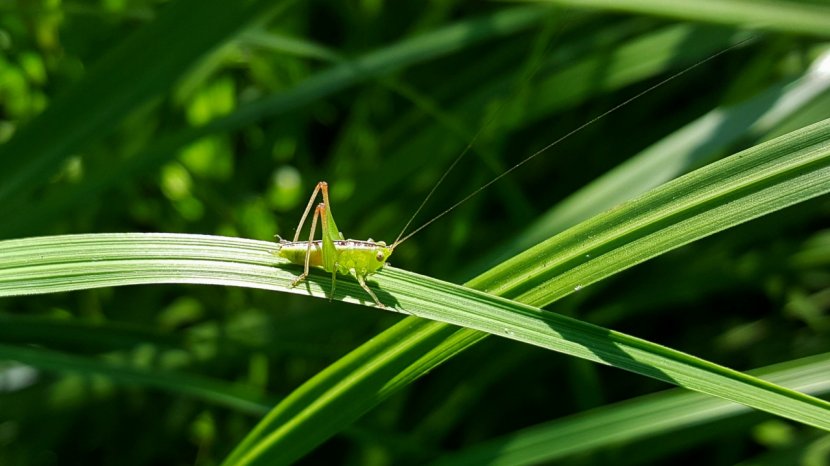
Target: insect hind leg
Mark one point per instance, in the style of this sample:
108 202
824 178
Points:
321 186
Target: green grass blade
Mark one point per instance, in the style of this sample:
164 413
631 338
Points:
634 419
289 45
159 52
369 390
48 264
787 16
698 142
210 390
759 180
323 406
378 99
794 168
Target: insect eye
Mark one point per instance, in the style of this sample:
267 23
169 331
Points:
379 256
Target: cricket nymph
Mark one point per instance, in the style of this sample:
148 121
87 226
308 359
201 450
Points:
353 256
333 253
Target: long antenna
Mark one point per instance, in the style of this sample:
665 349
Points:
447 172
481 130
571 133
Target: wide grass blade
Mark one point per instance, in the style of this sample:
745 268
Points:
61 263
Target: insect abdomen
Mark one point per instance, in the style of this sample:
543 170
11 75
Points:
295 252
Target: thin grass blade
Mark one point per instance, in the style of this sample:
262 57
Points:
633 420
776 15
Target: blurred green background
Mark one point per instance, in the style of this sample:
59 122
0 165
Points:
223 126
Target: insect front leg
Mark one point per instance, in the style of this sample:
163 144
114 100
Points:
363 284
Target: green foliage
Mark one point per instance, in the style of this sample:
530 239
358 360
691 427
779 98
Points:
666 238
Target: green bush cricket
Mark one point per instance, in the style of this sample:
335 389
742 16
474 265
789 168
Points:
333 252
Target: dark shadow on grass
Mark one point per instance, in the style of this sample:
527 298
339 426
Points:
605 344
347 287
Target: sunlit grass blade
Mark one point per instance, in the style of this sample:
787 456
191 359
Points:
759 180
48 264
160 52
634 419
51 264
777 15
186 326
811 143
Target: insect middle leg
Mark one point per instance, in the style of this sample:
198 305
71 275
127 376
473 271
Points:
317 213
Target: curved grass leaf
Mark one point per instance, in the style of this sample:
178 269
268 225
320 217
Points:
759 180
62 263
289 45
634 419
210 390
795 167
777 15
48 264
363 392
